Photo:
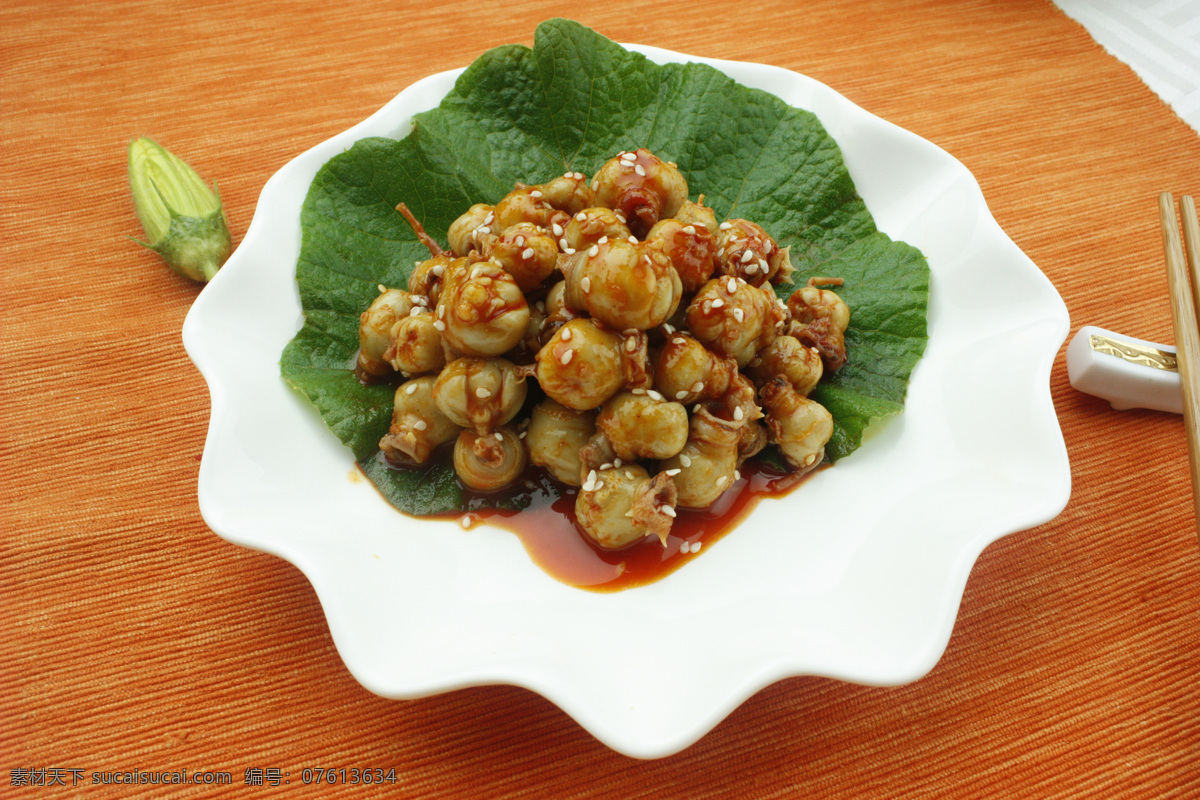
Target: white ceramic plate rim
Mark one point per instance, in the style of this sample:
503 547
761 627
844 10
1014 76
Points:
824 583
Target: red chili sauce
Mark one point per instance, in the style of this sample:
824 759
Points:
546 527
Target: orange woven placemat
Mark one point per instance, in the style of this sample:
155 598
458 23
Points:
134 638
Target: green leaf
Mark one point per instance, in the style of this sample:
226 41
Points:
570 103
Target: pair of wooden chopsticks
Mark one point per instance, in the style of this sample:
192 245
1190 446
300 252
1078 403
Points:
1185 310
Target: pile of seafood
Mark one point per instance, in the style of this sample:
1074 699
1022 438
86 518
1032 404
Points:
662 357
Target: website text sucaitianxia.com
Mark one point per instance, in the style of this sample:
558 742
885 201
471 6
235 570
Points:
33 777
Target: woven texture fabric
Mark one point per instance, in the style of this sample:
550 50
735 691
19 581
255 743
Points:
132 637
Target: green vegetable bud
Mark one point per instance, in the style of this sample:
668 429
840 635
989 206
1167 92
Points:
182 217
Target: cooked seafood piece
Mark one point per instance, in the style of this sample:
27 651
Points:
687 371
746 251
800 426
620 506
581 365
555 436
418 425
480 393
483 310
525 251
621 284
819 318
426 278
590 225
689 246
735 319
569 192
707 464
525 204
375 327
415 344
643 425
465 232
787 357
489 461
643 187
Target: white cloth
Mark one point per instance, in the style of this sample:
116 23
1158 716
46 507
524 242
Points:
1158 39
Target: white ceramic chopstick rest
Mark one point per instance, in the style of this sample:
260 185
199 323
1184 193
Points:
1127 372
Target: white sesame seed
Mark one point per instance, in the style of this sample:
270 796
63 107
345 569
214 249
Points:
420 299
698 387
566 357
696 408
674 472
465 520
483 230
638 169
725 226
752 269
582 217
420 425
412 387
696 546
620 217
522 434
747 256
811 458
595 186
519 241
606 465
540 306
586 284
629 474
682 393
633 240
441 312
685 547
687 462
483 393
527 252
701 225
491 215
631 345
616 463
738 413
562 244
412 312
731 286
638 391
569 250
721 253
737 475
669 328
602 240
706 306
739 315
499 436
653 395
535 193
578 176
568 175
438 269
441 326
558 229
670 512
689 229
678 340
566 334
483 280
718 303
599 485
594 250
721 481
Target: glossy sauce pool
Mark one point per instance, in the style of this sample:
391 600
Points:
546 527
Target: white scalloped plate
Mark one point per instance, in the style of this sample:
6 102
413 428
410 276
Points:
858 575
